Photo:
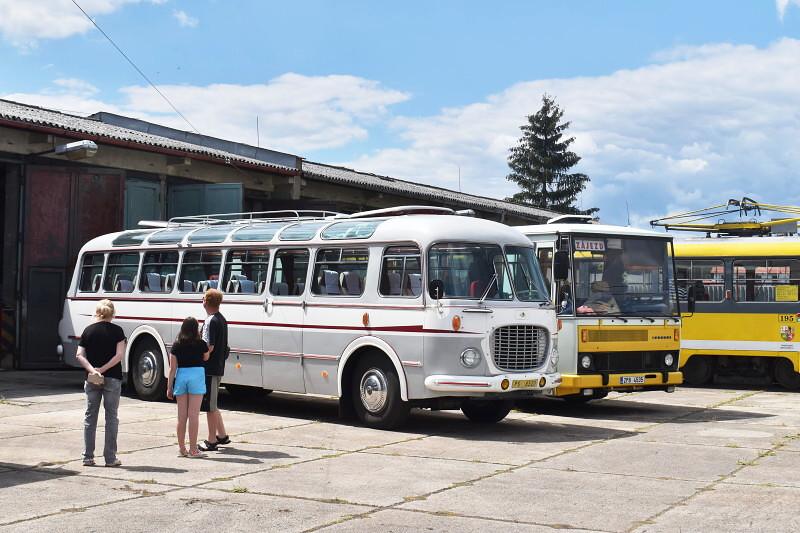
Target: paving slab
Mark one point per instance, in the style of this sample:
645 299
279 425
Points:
362 478
717 434
688 397
398 521
10 431
779 468
198 510
560 499
73 418
334 437
26 494
657 460
20 407
732 508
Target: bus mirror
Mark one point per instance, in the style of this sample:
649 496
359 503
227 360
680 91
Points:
436 289
691 298
561 265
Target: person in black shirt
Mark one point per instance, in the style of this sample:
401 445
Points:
187 382
215 333
100 353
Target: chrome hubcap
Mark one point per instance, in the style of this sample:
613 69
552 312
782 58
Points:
148 367
373 388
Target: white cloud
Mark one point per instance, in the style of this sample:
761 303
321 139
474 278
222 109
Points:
296 113
714 122
184 19
24 22
783 5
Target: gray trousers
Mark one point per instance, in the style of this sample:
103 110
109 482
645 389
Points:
109 392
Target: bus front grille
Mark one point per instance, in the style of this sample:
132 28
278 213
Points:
521 347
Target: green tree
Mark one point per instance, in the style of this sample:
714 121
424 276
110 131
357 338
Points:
541 161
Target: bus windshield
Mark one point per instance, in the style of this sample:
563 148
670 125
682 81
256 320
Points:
627 276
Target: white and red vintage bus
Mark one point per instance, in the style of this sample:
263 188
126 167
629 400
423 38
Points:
386 310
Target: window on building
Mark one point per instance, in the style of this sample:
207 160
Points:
401 272
340 271
245 271
289 273
766 280
707 276
200 271
158 272
121 272
91 273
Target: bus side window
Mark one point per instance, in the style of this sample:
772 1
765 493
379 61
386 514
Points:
289 273
121 272
91 272
158 272
245 271
766 280
545 256
401 273
340 271
199 270
706 276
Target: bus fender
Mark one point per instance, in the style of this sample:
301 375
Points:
373 342
138 332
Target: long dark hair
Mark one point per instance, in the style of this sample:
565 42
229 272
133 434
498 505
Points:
190 331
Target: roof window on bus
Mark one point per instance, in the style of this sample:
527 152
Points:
401 272
210 234
766 280
258 232
169 236
121 272
158 272
707 276
245 271
469 271
91 273
132 238
289 273
340 271
301 231
200 271
355 229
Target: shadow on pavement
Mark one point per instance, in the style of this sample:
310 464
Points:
247 457
23 474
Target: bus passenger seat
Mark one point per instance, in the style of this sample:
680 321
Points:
169 282
123 285
331 278
261 285
473 289
247 286
213 283
280 288
394 283
202 286
96 282
299 288
414 284
153 282
351 283
233 286
188 286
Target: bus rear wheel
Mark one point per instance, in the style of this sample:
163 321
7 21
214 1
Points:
486 411
376 393
698 370
147 372
785 374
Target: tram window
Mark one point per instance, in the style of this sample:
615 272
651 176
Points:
401 272
766 280
158 272
289 273
340 272
121 272
91 272
245 271
200 271
706 276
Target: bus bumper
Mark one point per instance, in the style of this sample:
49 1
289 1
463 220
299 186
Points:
537 381
572 384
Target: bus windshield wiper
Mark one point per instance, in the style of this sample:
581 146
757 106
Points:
488 288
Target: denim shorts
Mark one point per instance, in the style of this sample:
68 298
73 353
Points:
190 380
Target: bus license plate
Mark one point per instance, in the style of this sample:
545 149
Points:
631 380
523 383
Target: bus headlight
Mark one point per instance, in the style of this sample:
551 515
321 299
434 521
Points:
554 359
669 359
470 358
586 362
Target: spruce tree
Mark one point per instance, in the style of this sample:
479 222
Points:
540 163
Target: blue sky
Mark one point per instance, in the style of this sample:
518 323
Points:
674 104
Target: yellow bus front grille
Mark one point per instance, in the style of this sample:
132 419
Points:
617 335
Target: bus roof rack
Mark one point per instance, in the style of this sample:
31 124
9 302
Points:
251 217
700 219
402 210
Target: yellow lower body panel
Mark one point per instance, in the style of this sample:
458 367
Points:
574 383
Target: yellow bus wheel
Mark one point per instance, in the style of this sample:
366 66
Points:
698 370
785 374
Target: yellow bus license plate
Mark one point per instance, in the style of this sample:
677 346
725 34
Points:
631 380
523 383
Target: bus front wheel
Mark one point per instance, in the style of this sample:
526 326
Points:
486 411
376 393
698 370
147 372
785 374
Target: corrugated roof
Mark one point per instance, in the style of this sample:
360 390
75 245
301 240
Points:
408 188
98 130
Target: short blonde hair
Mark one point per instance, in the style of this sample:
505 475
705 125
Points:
104 309
213 297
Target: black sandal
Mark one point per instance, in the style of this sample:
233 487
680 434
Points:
207 446
223 440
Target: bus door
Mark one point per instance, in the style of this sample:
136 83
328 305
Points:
284 312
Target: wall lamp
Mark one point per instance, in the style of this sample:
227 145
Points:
73 151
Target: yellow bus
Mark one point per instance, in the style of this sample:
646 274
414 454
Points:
746 308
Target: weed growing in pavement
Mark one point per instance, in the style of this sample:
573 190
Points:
239 490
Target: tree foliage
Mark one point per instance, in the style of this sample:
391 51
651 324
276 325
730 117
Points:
540 163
